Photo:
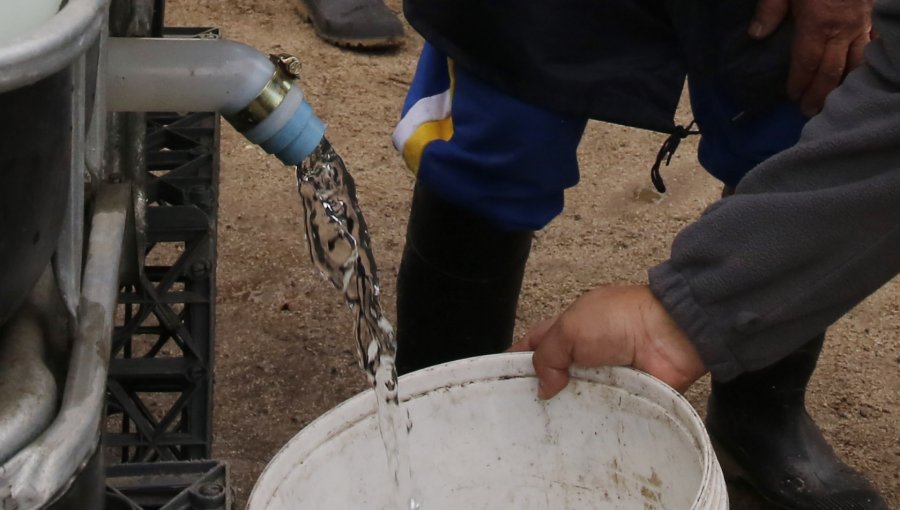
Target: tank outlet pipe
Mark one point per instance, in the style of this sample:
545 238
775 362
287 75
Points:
257 94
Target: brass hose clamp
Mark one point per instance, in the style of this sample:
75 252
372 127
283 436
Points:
287 69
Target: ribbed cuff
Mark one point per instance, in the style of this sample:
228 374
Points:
674 291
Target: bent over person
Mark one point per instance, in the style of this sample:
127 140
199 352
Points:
817 228
491 125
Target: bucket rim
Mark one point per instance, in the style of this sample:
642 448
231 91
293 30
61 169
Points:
484 369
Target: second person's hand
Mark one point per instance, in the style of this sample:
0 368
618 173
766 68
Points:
829 41
624 326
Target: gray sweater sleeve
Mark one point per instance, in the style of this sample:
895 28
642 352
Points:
809 233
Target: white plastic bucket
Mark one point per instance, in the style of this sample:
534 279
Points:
20 16
615 438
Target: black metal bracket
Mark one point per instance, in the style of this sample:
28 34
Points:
168 486
160 379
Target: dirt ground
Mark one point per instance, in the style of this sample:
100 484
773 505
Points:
285 352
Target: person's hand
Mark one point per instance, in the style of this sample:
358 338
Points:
829 41
624 326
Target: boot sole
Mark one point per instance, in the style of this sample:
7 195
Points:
343 42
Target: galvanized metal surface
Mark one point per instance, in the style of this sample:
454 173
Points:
34 180
67 261
53 46
88 121
125 145
46 467
28 390
95 145
87 490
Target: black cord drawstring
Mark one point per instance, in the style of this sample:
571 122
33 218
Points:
668 150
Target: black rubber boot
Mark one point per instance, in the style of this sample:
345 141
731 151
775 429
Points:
353 23
763 434
458 285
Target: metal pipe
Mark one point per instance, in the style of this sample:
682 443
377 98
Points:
256 94
44 469
176 75
70 244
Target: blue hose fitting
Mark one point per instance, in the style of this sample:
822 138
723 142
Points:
279 119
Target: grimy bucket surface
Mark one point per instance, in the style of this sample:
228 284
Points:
615 438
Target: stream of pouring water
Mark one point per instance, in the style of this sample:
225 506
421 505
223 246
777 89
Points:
340 247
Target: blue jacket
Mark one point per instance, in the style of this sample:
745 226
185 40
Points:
621 61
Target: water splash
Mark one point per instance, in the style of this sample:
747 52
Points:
340 247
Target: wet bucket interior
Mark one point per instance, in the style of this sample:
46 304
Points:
614 439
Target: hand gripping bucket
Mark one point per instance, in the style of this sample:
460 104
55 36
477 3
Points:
615 438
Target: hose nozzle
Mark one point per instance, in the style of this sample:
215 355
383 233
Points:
279 119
